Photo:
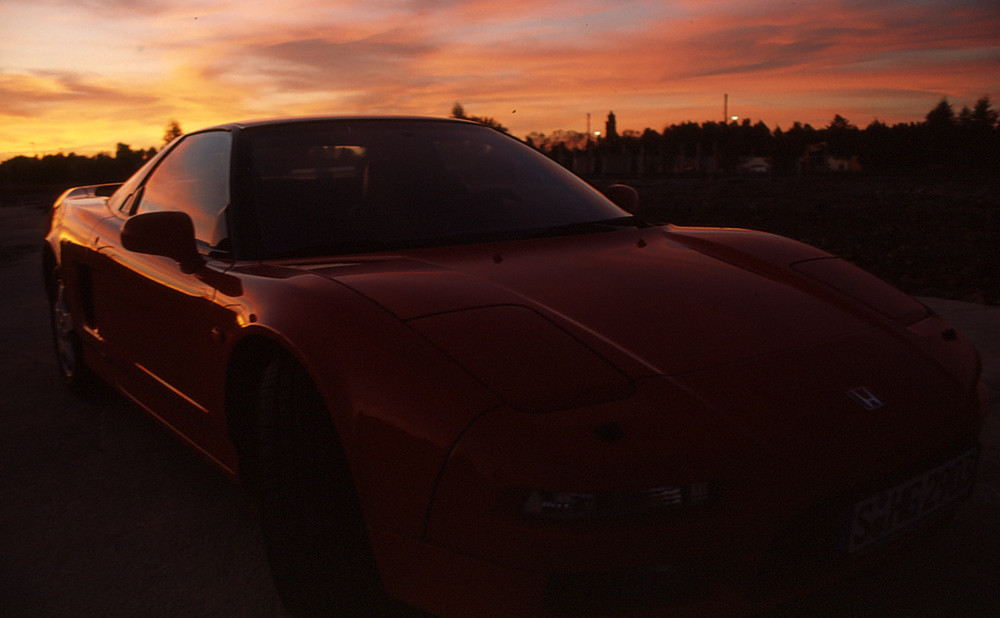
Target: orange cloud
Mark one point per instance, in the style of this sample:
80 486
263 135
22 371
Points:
533 66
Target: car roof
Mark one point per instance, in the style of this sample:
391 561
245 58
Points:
247 124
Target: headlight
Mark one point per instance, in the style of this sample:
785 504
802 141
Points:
579 505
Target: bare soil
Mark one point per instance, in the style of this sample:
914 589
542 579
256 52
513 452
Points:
930 236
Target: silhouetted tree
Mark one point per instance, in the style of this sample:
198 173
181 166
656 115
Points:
570 140
940 138
839 123
172 132
980 138
984 114
457 111
981 118
876 148
128 160
943 115
843 138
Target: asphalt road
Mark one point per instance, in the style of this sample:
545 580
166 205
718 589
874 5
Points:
103 513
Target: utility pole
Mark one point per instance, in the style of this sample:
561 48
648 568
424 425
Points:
725 109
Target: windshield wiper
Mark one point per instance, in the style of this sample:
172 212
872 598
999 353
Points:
334 249
350 247
587 227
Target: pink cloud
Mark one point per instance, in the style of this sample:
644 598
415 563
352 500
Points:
535 66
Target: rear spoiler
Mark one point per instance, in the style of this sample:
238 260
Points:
105 190
86 192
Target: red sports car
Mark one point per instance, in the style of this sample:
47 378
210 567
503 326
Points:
456 375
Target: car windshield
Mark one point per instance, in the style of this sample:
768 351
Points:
373 185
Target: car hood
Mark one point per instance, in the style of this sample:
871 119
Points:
637 295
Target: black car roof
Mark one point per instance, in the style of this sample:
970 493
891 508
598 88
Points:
247 124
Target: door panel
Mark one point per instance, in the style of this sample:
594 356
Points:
161 328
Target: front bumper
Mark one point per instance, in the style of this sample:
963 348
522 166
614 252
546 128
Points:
765 539
758 572
774 530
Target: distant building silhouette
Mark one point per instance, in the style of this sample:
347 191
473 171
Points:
611 127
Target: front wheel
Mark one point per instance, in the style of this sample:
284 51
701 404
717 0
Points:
314 530
69 351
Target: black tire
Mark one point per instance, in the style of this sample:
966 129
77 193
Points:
314 531
69 351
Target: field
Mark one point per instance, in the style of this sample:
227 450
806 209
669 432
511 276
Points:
935 237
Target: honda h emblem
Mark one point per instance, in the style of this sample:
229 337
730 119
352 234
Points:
865 398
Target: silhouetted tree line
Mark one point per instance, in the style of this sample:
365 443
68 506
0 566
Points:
944 143
72 169
459 112
66 170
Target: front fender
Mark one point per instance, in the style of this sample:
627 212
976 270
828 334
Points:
801 265
398 403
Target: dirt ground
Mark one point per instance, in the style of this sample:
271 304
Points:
936 237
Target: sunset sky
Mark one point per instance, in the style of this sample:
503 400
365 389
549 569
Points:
82 75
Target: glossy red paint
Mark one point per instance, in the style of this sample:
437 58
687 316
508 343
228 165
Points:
461 378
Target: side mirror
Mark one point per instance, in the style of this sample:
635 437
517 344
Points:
624 197
166 233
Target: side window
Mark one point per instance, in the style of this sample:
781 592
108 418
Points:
194 178
122 200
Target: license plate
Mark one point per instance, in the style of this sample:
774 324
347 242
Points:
882 516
